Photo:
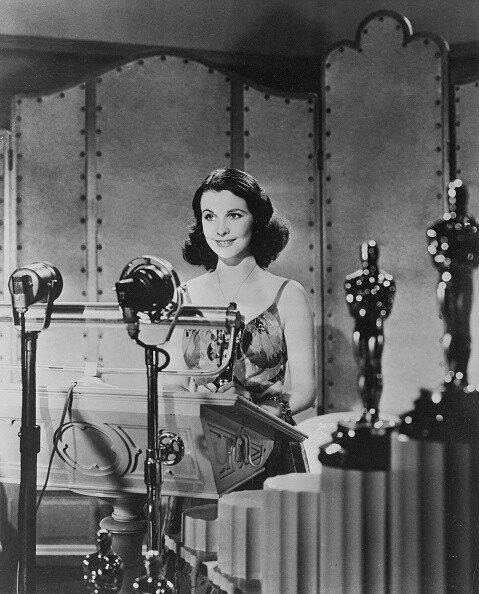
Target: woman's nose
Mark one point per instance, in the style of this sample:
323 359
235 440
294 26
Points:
222 228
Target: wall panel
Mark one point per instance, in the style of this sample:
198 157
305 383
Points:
162 126
50 153
163 123
384 143
48 195
281 151
466 126
6 221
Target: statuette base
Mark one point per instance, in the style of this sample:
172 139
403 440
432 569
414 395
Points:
447 414
359 445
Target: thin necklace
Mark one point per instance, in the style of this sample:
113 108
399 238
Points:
238 289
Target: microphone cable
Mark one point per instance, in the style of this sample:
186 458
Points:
56 438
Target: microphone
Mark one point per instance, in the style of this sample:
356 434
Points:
148 286
39 282
149 291
34 283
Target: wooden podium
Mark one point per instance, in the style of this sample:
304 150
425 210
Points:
101 447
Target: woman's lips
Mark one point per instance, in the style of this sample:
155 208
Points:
224 242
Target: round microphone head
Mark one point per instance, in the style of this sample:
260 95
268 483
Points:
149 285
35 282
51 275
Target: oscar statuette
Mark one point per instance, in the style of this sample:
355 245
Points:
434 511
450 413
363 443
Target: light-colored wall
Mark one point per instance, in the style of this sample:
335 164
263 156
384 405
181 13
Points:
298 28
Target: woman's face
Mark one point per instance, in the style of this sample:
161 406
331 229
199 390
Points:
227 225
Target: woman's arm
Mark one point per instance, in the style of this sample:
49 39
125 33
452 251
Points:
295 310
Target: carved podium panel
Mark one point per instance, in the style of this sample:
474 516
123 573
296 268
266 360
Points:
102 442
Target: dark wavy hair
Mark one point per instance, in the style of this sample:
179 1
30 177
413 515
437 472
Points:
270 231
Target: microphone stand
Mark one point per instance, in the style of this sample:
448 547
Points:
165 448
149 287
29 449
153 470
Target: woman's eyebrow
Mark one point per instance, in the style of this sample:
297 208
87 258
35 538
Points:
227 212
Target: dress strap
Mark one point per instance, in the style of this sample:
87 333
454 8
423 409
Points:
280 291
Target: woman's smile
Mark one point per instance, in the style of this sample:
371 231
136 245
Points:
224 242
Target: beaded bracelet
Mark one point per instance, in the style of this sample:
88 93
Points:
286 413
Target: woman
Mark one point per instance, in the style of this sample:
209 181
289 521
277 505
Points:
236 235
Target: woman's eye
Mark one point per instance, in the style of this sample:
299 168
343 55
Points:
235 215
208 216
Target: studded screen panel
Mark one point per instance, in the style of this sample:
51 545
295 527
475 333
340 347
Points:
384 140
162 124
280 149
50 153
49 202
5 165
273 126
7 355
466 127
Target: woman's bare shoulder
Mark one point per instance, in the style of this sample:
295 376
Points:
294 295
292 288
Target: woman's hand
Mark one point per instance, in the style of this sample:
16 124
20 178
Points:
210 387
272 407
229 389
271 404
232 389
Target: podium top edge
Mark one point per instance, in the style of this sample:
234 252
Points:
221 402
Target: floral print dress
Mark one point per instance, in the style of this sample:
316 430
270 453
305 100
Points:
262 357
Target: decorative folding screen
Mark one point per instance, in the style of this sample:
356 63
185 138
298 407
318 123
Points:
106 172
384 140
